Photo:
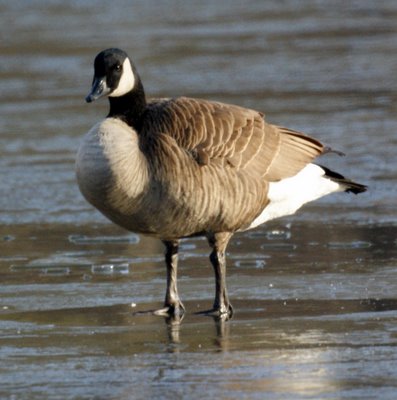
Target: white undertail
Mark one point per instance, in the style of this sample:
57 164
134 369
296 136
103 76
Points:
288 195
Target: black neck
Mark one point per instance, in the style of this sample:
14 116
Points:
130 107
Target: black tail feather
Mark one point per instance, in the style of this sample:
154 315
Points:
349 185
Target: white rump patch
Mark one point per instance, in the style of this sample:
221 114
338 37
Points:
288 195
127 80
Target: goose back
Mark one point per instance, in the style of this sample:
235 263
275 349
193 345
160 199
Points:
231 135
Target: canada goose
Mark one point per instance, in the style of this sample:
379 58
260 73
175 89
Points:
183 167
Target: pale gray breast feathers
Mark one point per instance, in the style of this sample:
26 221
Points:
110 169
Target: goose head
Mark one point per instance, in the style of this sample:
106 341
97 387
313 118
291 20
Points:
114 75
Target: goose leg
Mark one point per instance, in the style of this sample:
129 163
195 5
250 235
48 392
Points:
172 303
218 242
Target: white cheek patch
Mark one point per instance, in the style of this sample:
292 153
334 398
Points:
127 80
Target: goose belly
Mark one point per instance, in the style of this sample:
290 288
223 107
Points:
204 199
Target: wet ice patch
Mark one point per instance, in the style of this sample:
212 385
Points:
109 269
186 246
250 263
279 246
49 267
83 239
63 269
56 271
8 238
278 234
273 234
356 244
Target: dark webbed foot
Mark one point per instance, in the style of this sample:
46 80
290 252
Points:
223 313
224 309
176 309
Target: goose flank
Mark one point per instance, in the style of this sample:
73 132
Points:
181 167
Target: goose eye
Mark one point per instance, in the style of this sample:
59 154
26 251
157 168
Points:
117 67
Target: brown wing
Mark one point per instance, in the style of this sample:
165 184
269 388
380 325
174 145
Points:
234 136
